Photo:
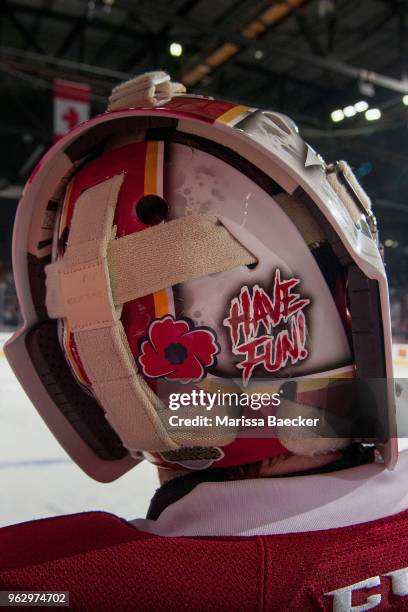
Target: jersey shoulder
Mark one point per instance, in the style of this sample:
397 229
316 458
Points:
105 562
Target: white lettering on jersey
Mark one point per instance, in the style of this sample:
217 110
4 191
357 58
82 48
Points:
342 597
399 580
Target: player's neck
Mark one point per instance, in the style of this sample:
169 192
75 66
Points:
282 465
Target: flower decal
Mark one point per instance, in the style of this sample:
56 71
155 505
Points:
177 350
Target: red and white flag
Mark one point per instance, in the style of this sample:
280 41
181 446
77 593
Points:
71 106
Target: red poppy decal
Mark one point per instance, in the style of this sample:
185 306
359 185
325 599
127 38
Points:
177 350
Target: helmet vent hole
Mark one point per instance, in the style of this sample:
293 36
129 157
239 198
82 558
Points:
278 121
252 266
152 209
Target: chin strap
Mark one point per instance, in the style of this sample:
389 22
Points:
177 251
78 290
96 275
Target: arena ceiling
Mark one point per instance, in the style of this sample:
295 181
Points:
302 57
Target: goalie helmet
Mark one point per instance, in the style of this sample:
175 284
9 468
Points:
177 251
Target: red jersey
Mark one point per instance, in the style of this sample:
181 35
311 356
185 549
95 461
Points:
107 564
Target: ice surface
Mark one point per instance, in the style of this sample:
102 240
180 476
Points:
37 478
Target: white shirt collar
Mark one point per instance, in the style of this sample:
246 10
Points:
285 505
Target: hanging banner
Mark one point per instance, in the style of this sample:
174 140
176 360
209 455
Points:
71 106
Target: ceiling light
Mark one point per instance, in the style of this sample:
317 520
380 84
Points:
258 54
405 100
372 114
349 111
175 49
337 115
361 106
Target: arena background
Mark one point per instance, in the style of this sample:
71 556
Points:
339 68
